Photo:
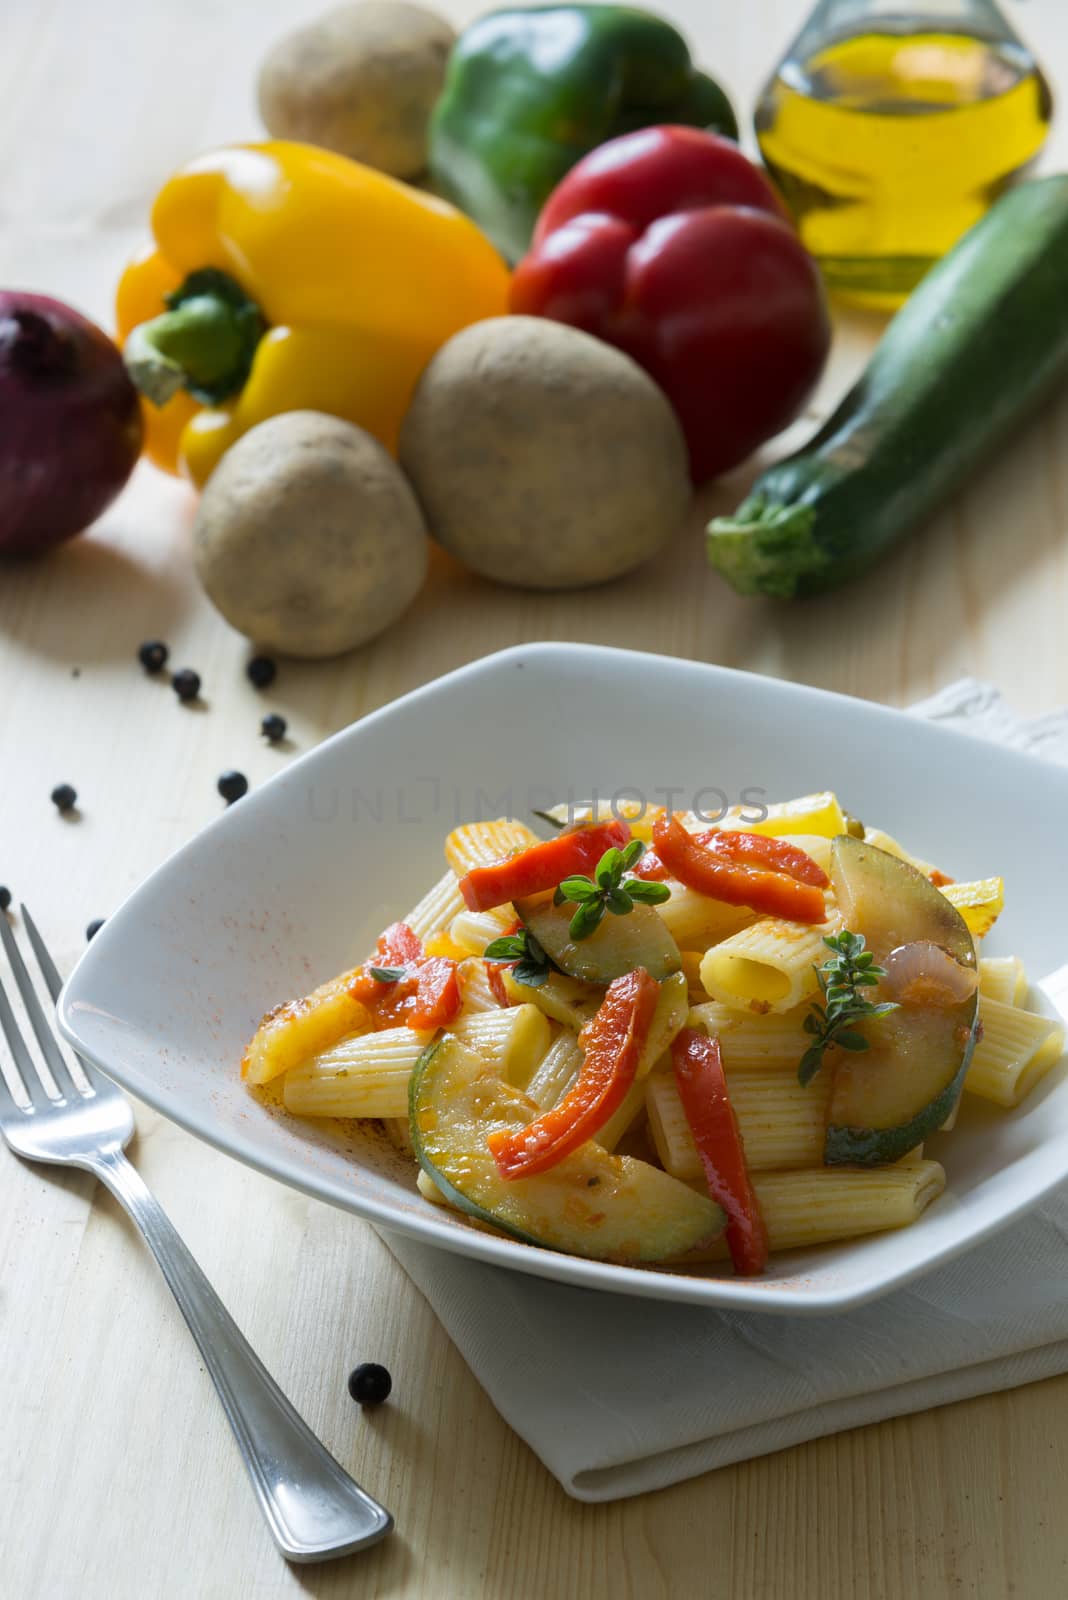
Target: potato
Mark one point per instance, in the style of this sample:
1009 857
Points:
543 457
308 539
362 81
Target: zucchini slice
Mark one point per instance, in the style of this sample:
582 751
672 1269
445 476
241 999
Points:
640 939
606 1207
891 1097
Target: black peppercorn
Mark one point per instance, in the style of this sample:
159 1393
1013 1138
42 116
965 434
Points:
186 684
261 671
153 655
5 897
232 785
273 727
369 1384
93 929
64 798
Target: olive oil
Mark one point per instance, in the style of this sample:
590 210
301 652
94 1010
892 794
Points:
890 143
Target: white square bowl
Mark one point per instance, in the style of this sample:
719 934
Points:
293 884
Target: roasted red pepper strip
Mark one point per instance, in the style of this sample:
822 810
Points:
613 1043
695 865
702 1089
542 866
756 849
427 996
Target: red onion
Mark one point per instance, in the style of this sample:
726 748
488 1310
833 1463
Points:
70 423
923 974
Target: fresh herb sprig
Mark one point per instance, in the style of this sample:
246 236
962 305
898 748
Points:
530 963
849 969
387 974
607 891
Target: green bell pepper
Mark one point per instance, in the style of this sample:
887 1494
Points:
530 92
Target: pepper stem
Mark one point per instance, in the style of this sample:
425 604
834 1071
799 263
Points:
766 548
204 343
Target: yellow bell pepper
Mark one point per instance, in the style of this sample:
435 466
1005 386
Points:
289 278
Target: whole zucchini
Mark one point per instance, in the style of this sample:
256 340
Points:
974 351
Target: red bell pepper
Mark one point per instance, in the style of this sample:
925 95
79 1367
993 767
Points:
426 995
542 866
702 1088
671 245
703 869
758 849
613 1043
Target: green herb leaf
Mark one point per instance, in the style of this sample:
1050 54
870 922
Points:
849 969
618 902
579 889
647 894
527 973
609 869
587 919
513 947
547 816
387 974
633 854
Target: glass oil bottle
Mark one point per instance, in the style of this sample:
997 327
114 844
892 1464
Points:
890 131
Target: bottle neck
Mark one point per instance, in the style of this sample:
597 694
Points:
834 19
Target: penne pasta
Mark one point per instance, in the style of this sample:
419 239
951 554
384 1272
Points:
556 1071
782 1125
364 1076
511 1042
437 908
752 1039
479 844
472 931
769 966
696 920
1016 1050
1003 978
827 1204
475 987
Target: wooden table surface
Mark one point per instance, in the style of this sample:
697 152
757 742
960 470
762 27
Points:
119 1476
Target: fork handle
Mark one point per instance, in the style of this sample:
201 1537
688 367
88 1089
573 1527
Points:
313 1508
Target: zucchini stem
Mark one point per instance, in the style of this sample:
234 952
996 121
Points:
766 547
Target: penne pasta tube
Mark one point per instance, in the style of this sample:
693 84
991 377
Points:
436 909
365 1076
479 844
556 1072
621 1121
511 1041
1003 978
803 1209
1016 1050
782 1125
769 966
472 931
475 987
696 919
750 1039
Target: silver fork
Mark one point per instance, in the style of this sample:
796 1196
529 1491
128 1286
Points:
313 1508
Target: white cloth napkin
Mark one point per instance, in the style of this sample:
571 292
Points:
618 1396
